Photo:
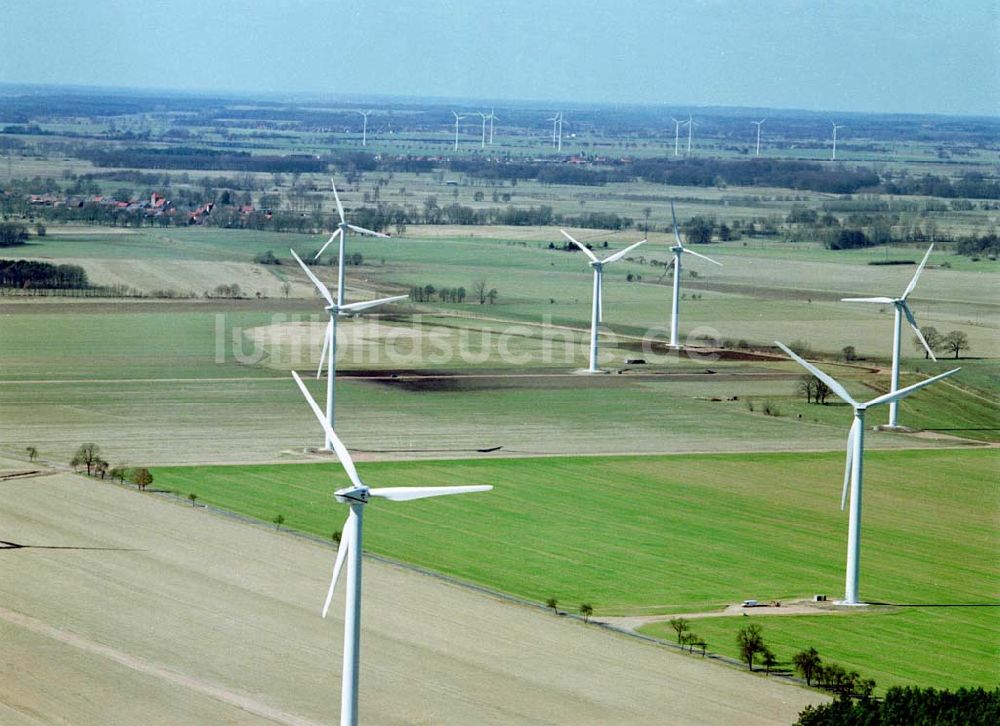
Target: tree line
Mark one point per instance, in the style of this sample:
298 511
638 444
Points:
32 274
13 234
909 705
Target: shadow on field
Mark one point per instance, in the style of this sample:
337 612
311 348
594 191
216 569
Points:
4 545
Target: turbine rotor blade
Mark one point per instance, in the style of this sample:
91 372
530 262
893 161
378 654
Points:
327 243
677 234
346 543
315 280
326 343
370 233
359 306
583 247
882 300
916 329
338 445
829 381
704 257
904 392
848 465
916 275
340 207
621 253
405 494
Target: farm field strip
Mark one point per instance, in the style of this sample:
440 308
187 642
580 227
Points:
171 634
647 535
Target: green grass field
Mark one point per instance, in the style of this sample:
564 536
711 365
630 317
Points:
943 646
648 535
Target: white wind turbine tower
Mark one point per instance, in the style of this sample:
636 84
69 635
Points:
597 313
758 124
557 122
853 467
835 127
677 135
330 338
357 496
690 125
492 117
902 309
364 129
482 144
678 250
457 119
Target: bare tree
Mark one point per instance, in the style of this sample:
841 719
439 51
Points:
955 342
680 626
933 338
87 455
479 290
807 386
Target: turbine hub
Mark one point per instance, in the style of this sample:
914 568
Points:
352 495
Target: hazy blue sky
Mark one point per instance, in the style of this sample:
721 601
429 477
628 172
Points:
938 56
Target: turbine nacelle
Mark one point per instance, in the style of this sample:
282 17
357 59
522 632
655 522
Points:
352 495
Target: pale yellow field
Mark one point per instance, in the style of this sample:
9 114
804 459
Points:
177 615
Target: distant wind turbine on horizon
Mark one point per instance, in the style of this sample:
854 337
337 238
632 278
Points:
364 129
758 124
557 122
835 127
485 116
677 135
492 117
457 119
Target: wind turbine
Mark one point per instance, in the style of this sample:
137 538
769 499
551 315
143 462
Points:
492 117
330 338
357 496
902 309
342 230
690 125
678 250
597 314
854 464
835 127
557 122
758 124
364 130
482 144
457 119
677 134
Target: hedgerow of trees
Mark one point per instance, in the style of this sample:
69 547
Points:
909 706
